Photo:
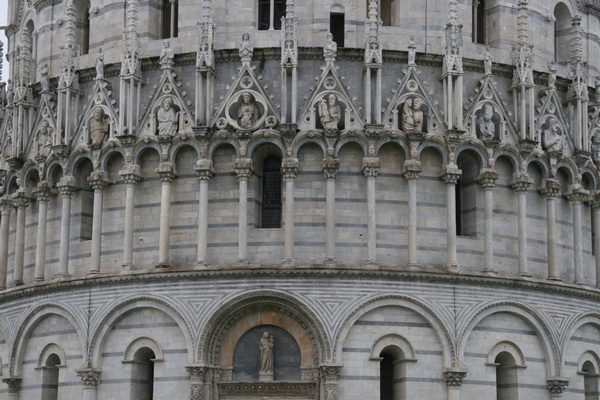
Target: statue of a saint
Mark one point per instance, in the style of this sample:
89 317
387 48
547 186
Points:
246 48
330 112
9 93
487 61
167 118
330 49
247 111
44 139
552 136
266 353
100 64
44 79
412 116
412 51
98 126
166 56
487 127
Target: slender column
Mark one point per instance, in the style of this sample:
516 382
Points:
14 387
370 169
412 170
576 198
66 189
42 195
378 97
330 170
487 181
521 185
596 229
98 181
551 192
557 386
89 378
204 170
166 175
450 176
454 378
368 110
131 175
329 381
21 201
289 169
5 208
243 169
294 92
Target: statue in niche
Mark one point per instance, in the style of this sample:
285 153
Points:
44 139
330 112
44 79
412 116
596 146
552 135
487 61
167 118
266 353
246 48
166 56
330 49
412 51
100 64
98 126
247 111
487 127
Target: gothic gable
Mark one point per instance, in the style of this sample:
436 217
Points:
551 126
42 136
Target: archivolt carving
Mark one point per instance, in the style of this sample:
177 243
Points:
49 349
575 322
140 342
509 347
592 357
397 341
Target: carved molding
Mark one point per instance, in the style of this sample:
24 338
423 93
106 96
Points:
271 389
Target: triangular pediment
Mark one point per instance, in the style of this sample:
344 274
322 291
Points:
246 106
403 111
330 106
552 127
169 111
41 137
487 116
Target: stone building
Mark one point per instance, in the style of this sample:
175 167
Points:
374 199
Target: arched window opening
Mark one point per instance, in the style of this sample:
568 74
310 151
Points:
50 378
386 382
506 377
392 385
142 375
271 193
82 25
170 17
562 29
466 192
590 381
336 27
479 22
270 13
83 202
85 32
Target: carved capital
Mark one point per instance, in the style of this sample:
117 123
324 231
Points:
330 373
578 195
131 174
454 377
243 168
204 169
99 180
89 376
370 166
557 385
166 172
331 165
595 199
289 168
42 191
14 384
488 178
451 174
198 374
6 204
521 183
412 170
21 199
552 188
66 186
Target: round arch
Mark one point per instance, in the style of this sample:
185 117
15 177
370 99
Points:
254 144
181 144
439 147
107 153
213 146
306 138
142 147
351 139
391 140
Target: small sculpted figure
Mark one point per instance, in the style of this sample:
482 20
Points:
412 116
266 352
99 127
44 139
44 80
100 64
246 48
330 49
596 146
166 56
330 112
412 51
552 137
487 127
167 118
487 61
247 112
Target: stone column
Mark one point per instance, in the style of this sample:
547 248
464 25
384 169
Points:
370 169
557 386
21 201
487 180
450 175
42 194
596 229
197 374
98 181
14 387
329 381
89 377
551 192
66 188
243 169
454 378
577 197
521 185
204 170
131 175
166 174
5 208
331 166
289 170
412 170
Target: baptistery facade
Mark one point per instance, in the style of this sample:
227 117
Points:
300 200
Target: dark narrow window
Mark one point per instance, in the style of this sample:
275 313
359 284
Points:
562 30
385 12
270 13
336 27
590 382
169 19
593 230
85 42
479 21
142 375
459 208
506 377
386 377
50 378
271 193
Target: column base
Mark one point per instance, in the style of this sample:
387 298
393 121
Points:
127 267
201 264
579 283
413 266
35 280
490 271
16 283
265 376
288 261
163 265
92 273
372 263
330 261
554 278
242 261
62 275
524 274
452 267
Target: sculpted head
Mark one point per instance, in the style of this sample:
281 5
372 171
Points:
417 103
332 99
167 104
488 112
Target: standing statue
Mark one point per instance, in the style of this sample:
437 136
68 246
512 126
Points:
44 139
99 127
552 137
487 127
412 116
9 93
330 49
166 56
552 75
246 49
167 118
247 111
330 112
412 51
487 61
266 353
44 80
100 64
596 146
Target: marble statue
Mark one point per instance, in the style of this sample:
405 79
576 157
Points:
99 126
246 48
166 56
487 127
552 135
44 80
487 61
330 49
266 353
330 112
596 146
167 118
247 111
100 64
44 139
412 116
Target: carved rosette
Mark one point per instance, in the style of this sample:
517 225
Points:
412 170
451 174
521 184
488 178
289 168
204 170
89 377
579 195
331 165
454 378
370 167
14 384
243 168
557 385
552 188
131 174
165 172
